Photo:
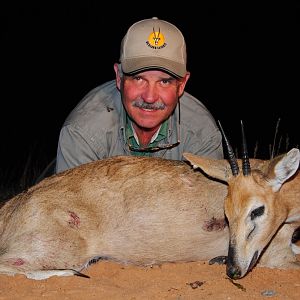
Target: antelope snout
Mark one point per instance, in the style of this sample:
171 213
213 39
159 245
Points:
233 272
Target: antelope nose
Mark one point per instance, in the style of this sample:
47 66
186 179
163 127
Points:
233 272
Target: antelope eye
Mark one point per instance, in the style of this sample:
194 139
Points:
257 212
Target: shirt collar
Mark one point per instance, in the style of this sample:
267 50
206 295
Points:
161 133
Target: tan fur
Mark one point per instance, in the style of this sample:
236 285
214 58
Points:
274 186
129 209
135 210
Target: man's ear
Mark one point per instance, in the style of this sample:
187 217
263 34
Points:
182 83
118 71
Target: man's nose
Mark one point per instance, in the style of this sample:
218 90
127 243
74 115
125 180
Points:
150 94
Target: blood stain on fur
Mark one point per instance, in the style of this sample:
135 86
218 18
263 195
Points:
74 220
214 224
18 262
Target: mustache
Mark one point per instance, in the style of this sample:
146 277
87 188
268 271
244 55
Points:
142 104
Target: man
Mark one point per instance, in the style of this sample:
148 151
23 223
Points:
145 110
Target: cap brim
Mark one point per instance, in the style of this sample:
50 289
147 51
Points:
136 65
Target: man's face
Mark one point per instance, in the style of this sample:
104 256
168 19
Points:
150 97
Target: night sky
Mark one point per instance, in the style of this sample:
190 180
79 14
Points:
243 59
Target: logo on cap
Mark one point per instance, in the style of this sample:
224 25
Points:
156 40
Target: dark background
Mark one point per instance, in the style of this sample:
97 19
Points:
243 59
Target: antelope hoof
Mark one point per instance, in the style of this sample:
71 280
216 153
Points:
220 260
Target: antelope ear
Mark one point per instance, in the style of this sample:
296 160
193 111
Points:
216 168
281 168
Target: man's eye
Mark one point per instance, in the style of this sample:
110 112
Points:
166 81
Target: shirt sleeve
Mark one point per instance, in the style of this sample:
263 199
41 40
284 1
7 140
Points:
73 149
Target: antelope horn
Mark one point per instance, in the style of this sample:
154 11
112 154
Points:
245 157
231 157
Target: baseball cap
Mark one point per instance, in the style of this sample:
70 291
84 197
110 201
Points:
153 44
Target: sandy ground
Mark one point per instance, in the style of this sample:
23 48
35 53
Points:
178 281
